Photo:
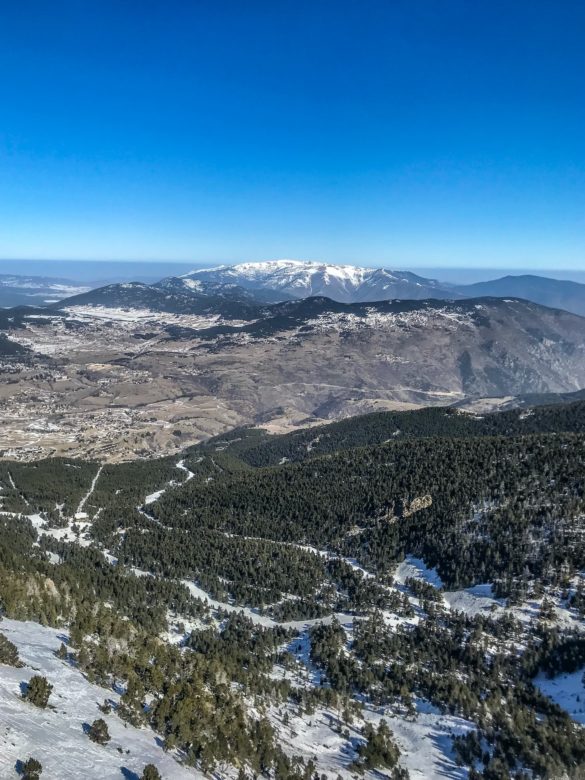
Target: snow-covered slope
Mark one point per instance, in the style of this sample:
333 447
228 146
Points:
300 279
55 735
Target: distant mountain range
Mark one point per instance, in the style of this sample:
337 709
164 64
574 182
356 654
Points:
257 284
210 355
307 359
297 279
556 293
351 284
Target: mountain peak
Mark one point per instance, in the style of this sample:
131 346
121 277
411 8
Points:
344 283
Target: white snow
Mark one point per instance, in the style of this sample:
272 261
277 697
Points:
152 497
290 269
190 474
303 278
55 735
264 620
127 315
66 533
566 690
417 568
425 742
473 601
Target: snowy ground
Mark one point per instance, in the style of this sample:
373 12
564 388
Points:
566 690
425 742
417 569
264 620
55 735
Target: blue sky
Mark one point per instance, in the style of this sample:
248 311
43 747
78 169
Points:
403 133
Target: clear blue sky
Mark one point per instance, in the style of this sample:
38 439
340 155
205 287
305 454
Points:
398 132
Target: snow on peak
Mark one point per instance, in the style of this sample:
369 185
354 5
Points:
303 278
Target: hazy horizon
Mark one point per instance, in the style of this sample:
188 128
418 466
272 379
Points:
108 271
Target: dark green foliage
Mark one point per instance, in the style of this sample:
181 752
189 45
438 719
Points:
98 732
423 590
247 649
495 500
85 573
443 659
258 449
510 512
38 691
379 749
32 769
16 538
61 652
555 653
256 571
48 484
150 772
8 652
10 349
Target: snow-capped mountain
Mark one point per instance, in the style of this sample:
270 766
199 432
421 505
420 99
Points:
300 279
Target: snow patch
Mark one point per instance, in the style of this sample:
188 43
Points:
566 690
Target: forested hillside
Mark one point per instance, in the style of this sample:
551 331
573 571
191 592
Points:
255 447
364 578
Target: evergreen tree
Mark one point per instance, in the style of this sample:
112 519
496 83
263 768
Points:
150 772
379 750
38 691
8 652
62 652
98 732
31 769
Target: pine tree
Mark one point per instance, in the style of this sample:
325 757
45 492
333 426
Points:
150 772
98 732
8 652
106 707
62 652
38 691
31 769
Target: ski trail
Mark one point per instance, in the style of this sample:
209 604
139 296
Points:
219 468
152 497
89 492
254 615
327 554
190 474
13 486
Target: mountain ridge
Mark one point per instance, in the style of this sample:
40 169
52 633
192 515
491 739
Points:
276 281
111 373
556 293
352 284
301 279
